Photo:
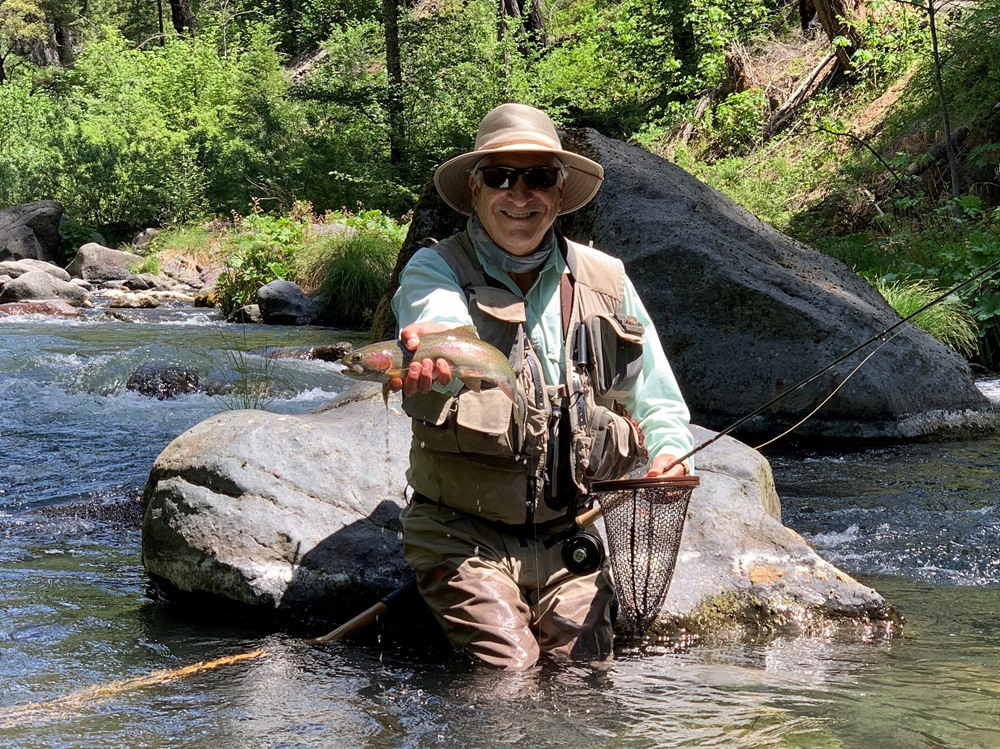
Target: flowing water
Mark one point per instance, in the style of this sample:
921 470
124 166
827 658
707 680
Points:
918 522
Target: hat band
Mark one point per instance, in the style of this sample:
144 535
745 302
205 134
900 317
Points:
523 141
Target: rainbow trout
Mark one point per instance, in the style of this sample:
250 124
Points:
472 360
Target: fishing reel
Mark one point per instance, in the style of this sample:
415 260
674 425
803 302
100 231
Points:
583 553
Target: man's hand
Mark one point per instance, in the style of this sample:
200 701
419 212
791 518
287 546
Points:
424 372
659 467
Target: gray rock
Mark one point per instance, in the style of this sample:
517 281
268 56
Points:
144 237
15 268
248 314
739 568
163 382
290 514
31 231
38 285
94 262
284 303
298 515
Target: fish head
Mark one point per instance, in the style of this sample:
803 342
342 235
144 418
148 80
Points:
362 363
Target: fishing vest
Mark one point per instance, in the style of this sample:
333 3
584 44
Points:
479 453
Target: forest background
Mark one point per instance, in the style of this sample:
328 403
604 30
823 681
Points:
867 128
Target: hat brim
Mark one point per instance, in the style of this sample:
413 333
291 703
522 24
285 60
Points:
583 179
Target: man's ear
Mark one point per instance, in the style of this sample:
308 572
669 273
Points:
473 187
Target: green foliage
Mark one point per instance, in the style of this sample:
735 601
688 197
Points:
739 120
949 321
893 36
73 235
263 249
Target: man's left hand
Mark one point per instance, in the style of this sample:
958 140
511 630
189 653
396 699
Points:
666 465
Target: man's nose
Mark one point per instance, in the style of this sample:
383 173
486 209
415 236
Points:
520 192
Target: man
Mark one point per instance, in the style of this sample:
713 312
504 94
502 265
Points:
497 483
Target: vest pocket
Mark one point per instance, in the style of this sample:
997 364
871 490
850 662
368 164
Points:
484 423
481 423
615 448
615 343
432 421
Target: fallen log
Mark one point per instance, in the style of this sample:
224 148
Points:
819 76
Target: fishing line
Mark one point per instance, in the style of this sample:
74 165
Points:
71 704
811 378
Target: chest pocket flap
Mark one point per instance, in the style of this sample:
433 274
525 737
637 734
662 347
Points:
500 304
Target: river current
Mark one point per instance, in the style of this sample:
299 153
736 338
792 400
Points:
88 660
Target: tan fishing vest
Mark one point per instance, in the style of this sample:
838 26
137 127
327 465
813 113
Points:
481 454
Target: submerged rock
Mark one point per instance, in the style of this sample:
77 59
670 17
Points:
163 382
297 516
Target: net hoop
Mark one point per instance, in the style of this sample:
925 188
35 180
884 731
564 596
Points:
656 482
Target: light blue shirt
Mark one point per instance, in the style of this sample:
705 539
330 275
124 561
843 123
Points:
430 292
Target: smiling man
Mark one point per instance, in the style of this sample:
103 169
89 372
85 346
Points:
497 483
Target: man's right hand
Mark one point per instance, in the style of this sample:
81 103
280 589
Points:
422 373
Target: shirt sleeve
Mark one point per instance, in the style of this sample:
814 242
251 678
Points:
656 402
429 292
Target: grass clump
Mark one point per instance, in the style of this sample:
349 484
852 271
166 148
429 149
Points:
949 321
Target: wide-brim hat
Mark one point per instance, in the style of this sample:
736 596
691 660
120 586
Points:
516 128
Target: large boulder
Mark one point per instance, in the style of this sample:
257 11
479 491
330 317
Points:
38 285
94 262
745 312
298 516
31 231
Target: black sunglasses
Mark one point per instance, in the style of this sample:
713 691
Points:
505 177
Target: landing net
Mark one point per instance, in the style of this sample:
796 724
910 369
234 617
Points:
643 520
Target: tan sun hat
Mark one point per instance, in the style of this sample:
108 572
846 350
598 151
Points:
516 128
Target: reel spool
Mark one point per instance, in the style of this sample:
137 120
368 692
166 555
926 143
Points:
583 554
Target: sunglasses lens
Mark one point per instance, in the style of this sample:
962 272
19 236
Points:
505 177
540 178
499 177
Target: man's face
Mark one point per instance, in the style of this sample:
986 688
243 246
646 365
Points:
518 218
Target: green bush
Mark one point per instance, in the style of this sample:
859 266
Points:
263 251
740 118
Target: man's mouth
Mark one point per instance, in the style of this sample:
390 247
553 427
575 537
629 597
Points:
519 214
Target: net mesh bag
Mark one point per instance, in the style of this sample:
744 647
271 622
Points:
643 521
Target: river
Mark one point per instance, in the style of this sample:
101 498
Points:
918 522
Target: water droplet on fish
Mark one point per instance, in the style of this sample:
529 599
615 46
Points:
475 552
422 444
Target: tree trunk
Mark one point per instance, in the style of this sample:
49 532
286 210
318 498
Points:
394 104
182 17
530 14
836 17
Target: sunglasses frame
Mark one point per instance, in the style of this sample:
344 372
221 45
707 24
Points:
527 174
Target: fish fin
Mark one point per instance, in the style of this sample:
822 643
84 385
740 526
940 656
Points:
385 393
507 389
464 331
472 382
